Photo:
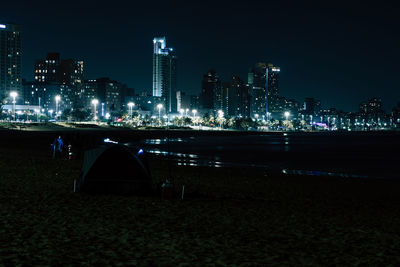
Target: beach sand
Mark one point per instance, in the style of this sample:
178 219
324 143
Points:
229 216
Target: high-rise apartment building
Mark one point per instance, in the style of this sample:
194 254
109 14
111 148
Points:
211 92
264 82
63 71
41 94
164 73
236 94
46 70
257 81
68 74
10 60
273 88
108 92
183 100
311 106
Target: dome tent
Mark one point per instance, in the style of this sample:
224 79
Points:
114 169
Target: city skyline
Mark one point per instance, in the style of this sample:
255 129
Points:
349 58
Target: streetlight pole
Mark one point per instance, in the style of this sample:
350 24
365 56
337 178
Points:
57 100
329 122
287 114
14 95
159 106
95 102
221 116
130 104
40 109
37 114
194 116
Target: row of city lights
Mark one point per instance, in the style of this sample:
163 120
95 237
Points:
58 99
95 102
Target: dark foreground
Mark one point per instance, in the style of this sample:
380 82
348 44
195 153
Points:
229 216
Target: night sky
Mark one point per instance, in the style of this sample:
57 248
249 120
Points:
339 53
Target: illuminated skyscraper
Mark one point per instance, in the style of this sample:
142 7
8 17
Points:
159 45
257 81
10 60
273 88
264 81
164 73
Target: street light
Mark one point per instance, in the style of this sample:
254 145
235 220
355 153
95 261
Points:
187 110
94 103
221 116
14 95
159 106
130 104
194 111
58 98
181 111
287 114
37 111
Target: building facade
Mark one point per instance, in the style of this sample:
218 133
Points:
10 62
311 107
68 74
46 70
41 94
183 101
273 88
237 98
109 93
211 92
263 80
164 74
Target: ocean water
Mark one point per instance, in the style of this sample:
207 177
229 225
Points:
366 155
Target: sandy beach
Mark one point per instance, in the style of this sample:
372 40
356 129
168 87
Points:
229 216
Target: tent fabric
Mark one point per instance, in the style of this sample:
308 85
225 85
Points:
113 169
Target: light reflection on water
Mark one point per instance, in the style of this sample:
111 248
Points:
165 153
162 141
316 155
181 159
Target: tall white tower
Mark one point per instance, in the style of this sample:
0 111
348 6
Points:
159 46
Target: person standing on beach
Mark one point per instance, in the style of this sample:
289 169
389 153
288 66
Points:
57 147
